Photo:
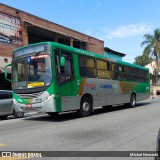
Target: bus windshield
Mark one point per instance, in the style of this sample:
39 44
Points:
32 71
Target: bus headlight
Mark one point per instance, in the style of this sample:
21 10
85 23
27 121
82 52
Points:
48 99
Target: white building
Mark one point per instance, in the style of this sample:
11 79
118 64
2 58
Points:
155 77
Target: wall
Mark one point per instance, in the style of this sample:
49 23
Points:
113 56
93 44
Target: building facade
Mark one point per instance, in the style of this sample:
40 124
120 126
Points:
18 28
113 54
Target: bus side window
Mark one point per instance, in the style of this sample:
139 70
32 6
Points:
127 73
117 71
143 75
103 69
87 66
135 74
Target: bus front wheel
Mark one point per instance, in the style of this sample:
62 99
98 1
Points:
85 107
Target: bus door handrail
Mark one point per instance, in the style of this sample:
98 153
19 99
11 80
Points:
6 72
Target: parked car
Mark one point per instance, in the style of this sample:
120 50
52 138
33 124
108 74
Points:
6 105
158 146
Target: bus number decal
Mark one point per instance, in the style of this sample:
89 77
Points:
108 86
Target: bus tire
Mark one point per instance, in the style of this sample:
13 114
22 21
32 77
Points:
132 101
85 107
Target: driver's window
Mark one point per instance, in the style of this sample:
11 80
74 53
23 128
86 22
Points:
64 73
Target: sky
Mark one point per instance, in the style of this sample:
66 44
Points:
121 24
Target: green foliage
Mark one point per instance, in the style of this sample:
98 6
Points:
143 60
152 43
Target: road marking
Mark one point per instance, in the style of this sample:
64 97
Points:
2 145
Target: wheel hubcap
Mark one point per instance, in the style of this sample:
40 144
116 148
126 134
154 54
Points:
85 107
133 101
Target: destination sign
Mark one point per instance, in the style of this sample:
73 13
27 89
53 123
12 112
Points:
30 49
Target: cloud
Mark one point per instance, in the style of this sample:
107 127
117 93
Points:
127 31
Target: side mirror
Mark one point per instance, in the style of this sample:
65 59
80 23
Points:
6 72
62 61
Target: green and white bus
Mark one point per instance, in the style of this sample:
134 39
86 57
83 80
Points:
50 77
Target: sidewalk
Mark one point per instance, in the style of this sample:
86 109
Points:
154 96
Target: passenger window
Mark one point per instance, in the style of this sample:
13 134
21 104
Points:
102 65
117 71
135 74
127 73
103 69
143 75
87 67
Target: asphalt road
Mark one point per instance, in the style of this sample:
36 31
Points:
115 129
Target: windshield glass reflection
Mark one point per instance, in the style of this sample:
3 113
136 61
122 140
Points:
32 71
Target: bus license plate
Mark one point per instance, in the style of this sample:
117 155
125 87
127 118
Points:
28 105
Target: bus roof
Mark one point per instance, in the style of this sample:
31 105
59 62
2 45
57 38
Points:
84 52
80 51
131 65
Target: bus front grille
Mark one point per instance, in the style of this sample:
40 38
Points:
30 96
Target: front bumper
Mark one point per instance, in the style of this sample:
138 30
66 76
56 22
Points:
40 107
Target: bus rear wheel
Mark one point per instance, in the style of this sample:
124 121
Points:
133 101
85 107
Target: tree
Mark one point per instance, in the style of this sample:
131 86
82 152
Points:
152 43
143 60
